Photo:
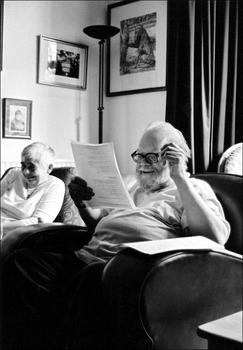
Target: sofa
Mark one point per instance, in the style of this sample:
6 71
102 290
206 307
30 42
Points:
158 301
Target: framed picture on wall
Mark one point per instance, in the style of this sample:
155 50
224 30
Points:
17 118
137 57
61 63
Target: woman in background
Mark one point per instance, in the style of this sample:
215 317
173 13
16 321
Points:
31 195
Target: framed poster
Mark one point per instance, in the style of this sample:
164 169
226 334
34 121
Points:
61 63
17 118
137 58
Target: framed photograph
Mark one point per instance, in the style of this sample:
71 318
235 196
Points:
17 118
137 57
62 63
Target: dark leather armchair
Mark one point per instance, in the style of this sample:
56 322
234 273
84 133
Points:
66 233
157 302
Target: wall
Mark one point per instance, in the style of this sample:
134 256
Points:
56 110
126 117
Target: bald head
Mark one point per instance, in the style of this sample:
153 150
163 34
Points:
158 133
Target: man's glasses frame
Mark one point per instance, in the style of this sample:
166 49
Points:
150 158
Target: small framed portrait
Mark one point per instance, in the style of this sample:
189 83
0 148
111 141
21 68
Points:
62 63
137 57
17 118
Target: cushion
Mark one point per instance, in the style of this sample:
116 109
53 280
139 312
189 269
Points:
233 163
69 213
231 160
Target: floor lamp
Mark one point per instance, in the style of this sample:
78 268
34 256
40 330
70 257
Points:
101 32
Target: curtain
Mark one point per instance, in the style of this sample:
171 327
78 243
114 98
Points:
204 73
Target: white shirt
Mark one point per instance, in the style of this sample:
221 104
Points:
158 215
29 205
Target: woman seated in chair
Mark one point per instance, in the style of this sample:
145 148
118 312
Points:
31 195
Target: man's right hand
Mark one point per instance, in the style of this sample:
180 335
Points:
79 190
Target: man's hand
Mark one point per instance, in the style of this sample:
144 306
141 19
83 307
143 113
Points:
176 159
79 191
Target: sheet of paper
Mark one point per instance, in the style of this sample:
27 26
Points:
174 244
96 164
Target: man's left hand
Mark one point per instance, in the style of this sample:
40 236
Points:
176 159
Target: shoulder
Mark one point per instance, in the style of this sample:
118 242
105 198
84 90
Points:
55 181
202 187
53 187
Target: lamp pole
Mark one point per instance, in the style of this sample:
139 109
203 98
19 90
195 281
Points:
101 88
101 32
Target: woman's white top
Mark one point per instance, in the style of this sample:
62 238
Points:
29 206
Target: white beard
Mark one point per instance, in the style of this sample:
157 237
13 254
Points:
150 182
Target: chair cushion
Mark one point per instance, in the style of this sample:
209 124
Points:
69 213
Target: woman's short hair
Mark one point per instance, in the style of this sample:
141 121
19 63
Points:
40 152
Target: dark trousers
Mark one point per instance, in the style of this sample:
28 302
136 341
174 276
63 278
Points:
51 301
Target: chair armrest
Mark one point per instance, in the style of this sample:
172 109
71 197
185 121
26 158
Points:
55 237
160 300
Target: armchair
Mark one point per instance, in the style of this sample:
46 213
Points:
67 232
157 302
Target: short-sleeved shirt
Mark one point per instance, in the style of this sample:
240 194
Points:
29 205
158 215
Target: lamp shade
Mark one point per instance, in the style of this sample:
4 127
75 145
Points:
101 32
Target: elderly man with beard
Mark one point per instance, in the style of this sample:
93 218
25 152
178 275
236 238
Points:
169 204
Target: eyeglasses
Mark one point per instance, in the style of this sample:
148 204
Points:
29 166
149 158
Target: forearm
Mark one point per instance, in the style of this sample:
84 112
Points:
90 216
200 218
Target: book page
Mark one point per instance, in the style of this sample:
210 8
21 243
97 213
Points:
96 164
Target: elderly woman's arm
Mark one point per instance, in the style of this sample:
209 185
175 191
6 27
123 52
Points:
46 209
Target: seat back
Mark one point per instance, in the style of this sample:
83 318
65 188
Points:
69 213
228 189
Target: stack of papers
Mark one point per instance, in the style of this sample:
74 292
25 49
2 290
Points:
96 164
174 244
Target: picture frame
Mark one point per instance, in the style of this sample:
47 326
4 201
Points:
62 63
17 116
137 57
